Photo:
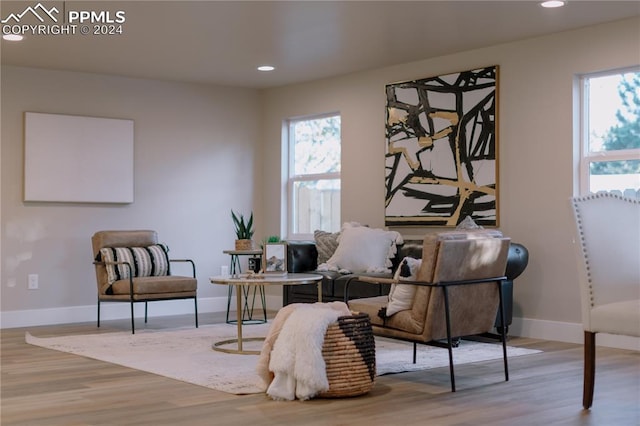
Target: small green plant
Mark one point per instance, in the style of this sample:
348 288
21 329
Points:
270 239
244 230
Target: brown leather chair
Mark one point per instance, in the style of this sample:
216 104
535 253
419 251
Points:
458 292
132 267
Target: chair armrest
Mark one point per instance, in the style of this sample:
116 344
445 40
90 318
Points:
465 282
365 279
119 262
382 280
193 265
517 260
390 281
378 280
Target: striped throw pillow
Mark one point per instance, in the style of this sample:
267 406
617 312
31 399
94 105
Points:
145 261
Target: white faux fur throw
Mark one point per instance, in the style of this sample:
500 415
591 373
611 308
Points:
296 361
272 335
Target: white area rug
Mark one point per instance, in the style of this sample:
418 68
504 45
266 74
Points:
185 354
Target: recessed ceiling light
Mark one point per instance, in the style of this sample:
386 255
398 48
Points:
553 3
266 68
12 37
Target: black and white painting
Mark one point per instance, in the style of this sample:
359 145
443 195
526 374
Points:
441 150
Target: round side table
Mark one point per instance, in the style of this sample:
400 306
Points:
248 308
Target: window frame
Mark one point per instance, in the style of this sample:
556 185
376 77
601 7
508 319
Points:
587 157
292 178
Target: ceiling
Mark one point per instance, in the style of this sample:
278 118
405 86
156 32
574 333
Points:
222 42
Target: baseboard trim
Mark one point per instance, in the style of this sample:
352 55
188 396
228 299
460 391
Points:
112 311
525 327
568 332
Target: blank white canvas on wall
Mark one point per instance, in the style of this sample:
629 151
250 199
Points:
78 159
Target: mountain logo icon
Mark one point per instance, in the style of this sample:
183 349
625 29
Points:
38 11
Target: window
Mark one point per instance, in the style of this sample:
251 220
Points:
314 175
610 151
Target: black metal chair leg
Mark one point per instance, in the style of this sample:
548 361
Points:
449 340
503 335
415 348
133 326
195 306
98 313
145 312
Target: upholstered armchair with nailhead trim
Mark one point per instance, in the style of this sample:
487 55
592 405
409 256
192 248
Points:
607 246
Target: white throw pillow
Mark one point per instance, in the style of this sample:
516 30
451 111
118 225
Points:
363 249
401 295
468 224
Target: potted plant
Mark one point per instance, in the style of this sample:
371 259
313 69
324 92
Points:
244 231
271 239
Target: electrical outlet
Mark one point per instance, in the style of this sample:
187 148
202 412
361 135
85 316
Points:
33 281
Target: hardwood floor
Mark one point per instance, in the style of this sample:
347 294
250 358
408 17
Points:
45 387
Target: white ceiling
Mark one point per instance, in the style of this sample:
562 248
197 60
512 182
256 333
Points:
222 42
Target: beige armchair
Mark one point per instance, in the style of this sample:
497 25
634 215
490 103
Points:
607 246
457 293
132 267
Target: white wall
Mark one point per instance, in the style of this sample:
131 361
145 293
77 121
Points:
536 151
194 159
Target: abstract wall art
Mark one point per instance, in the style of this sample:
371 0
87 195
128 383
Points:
441 150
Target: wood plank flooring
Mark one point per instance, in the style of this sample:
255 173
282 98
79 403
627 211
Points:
45 387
